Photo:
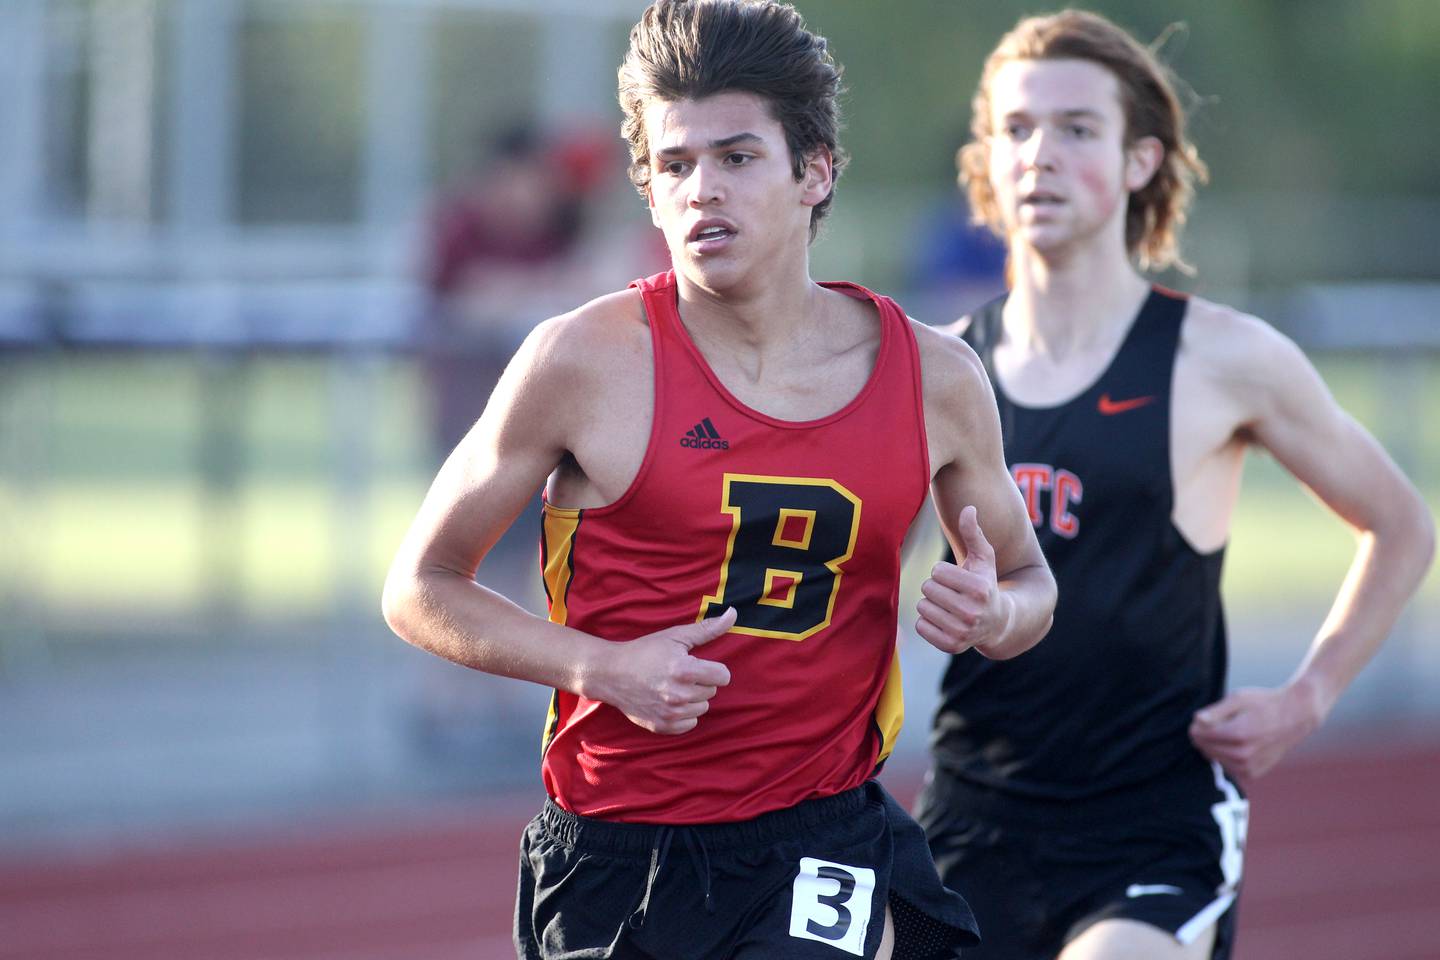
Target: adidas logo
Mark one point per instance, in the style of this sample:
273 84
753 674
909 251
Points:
704 437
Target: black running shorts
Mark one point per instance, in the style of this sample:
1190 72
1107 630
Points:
810 883
1038 874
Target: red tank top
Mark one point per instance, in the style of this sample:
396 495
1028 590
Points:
798 525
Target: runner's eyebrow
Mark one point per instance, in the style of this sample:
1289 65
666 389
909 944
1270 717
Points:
732 141
720 144
1075 113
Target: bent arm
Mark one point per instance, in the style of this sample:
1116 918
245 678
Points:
1300 423
969 468
431 598
1293 416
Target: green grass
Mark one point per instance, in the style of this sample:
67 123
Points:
106 514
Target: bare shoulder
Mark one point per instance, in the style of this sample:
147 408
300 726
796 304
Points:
1230 346
1236 367
568 366
956 328
959 403
948 365
607 330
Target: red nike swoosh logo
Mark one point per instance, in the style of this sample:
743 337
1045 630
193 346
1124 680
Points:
1110 407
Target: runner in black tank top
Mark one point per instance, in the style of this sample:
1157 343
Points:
1143 639
1085 736
1081 797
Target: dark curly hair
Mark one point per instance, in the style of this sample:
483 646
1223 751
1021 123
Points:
690 49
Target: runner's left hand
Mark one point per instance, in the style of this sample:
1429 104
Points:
1249 731
962 605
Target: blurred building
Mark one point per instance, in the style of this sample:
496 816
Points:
254 170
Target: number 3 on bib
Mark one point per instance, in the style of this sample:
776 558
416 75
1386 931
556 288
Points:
789 539
831 902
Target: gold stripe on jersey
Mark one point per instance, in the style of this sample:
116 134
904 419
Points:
557 559
890 709
558 543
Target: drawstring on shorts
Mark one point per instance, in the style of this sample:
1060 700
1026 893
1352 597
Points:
691 842
658 852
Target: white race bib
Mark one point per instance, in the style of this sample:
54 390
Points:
831 903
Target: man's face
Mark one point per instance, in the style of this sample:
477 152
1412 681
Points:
1058 163
722 188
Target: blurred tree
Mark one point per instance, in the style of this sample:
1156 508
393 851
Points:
1307 110
1298 77
1300 106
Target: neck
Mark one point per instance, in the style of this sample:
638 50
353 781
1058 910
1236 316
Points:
759 313
1063 304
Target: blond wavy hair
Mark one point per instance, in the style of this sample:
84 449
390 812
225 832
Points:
1156 212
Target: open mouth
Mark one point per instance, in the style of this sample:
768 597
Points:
1041 198
708 232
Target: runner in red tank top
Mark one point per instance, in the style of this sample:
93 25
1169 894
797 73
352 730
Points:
732 455
798 526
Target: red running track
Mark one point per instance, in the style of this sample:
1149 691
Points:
1344 864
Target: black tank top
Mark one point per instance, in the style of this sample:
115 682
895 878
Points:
1138 643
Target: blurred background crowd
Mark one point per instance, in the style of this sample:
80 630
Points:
261 262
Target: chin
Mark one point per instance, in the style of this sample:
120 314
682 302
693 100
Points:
715 274
1046 239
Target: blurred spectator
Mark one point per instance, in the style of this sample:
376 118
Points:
500 247
958 264
506 247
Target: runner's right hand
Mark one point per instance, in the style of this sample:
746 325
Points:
658 684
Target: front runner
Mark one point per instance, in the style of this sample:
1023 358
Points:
734 454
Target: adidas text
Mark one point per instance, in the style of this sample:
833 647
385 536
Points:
695 444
